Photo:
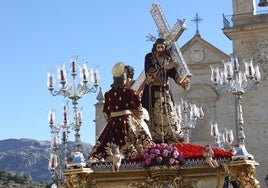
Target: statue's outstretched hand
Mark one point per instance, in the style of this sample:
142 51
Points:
185 82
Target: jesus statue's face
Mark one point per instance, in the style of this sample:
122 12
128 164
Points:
160 49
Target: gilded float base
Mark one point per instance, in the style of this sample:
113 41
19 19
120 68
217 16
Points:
200 176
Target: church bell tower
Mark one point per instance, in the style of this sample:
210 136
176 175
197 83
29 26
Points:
248 30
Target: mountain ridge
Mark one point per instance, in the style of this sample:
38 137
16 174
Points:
27 156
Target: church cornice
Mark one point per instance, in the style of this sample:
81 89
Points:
204 44
240 32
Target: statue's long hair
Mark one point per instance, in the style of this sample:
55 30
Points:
129 71
158 41
118 82
161 41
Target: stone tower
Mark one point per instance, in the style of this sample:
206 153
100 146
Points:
248 31
99 119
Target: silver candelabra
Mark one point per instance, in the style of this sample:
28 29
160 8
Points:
56 164
232 80
190 116
222 137
60 158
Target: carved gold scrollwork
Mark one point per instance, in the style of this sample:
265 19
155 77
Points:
75 181
91 184
137 185
165 176
67 183
244 175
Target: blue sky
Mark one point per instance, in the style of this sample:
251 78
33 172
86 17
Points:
37 36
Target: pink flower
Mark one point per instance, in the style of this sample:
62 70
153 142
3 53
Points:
156 151
153 145
145 155
163 145
159 159
175 154
161 154
145 150
152 155
171 161
148 161
169 148
165 153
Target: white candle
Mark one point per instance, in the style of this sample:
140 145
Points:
229 70
215 74
249 69
64 136
201 113
178 109
184 106
193 110
50 80
64 114
229 136
55 142
257 73
53 165
73 67
95 78
236 64
53 162
214 129
85 73
79 116
51 117
62 76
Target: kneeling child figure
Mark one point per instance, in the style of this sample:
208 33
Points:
209 154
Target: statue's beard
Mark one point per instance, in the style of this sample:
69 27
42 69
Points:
161 53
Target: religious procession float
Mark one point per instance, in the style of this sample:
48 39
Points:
174 163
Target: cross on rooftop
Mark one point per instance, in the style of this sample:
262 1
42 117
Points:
197 20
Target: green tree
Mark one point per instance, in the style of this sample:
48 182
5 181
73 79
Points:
5 176
8 180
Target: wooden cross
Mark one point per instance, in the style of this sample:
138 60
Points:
171 36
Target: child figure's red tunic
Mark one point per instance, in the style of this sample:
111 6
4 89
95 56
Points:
123 111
